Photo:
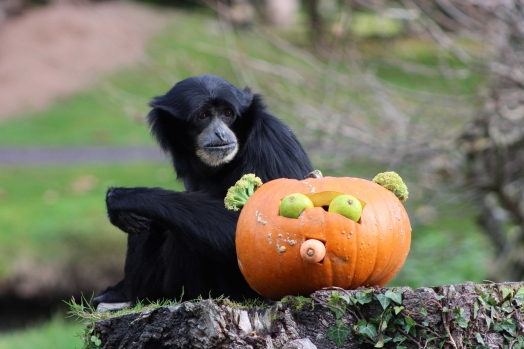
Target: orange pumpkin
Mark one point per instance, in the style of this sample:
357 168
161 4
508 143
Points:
365 253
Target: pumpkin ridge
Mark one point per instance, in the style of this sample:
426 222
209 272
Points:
394 262
372 278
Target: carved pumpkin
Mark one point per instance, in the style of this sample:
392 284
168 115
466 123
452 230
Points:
365 253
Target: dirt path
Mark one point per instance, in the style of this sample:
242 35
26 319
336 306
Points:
56 50
56 156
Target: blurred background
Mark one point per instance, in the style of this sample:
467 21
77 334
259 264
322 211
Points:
432 89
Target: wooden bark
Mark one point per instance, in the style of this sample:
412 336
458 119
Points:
453 316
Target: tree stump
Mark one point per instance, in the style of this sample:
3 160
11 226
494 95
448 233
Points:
453 316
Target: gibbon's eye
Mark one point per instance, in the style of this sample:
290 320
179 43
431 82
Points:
202 116
228 112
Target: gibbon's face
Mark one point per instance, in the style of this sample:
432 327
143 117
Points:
216 144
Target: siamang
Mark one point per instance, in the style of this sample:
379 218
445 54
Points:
183 243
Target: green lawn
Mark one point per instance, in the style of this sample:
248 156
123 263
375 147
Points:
58 333
68 223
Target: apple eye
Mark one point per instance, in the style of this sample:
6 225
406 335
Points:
228 112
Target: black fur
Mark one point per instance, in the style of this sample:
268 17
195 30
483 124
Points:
183 242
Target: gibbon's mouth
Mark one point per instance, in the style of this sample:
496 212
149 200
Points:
220 146
217 154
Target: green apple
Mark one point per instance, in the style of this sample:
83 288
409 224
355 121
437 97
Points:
294 204
346 205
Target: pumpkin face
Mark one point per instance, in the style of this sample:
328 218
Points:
369 252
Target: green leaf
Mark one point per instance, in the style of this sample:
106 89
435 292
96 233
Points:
382 340
385 317
461 321
519 296
366 329
395 296
509 325
348 299
507 307
364 297
506 292
423 311
384 301
337 304
488 322
398 310
410 324
410 321
399 338
338 334
96 341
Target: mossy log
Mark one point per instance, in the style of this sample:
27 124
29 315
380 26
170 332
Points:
453 316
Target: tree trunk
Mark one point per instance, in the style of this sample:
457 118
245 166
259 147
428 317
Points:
453 316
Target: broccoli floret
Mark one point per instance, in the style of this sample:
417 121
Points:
238 194
393 182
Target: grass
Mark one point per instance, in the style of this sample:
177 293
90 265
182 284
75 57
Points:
55 334
449 250
66 206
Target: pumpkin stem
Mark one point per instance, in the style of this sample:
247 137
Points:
313 251
315 174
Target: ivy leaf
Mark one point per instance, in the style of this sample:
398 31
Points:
364 297
399 338
395 296
479 339
386 316
519 296
506 292
338 334
509 325
488 322
520 343
398 309
460 319
366 329
410 321
348 299
382 340
337 305
410 324
507 307
423 311
384 301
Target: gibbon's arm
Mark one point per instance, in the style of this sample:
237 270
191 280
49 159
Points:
194 215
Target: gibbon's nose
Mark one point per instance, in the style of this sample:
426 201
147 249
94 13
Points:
220 134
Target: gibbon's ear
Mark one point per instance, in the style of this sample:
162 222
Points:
245 97
159 106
